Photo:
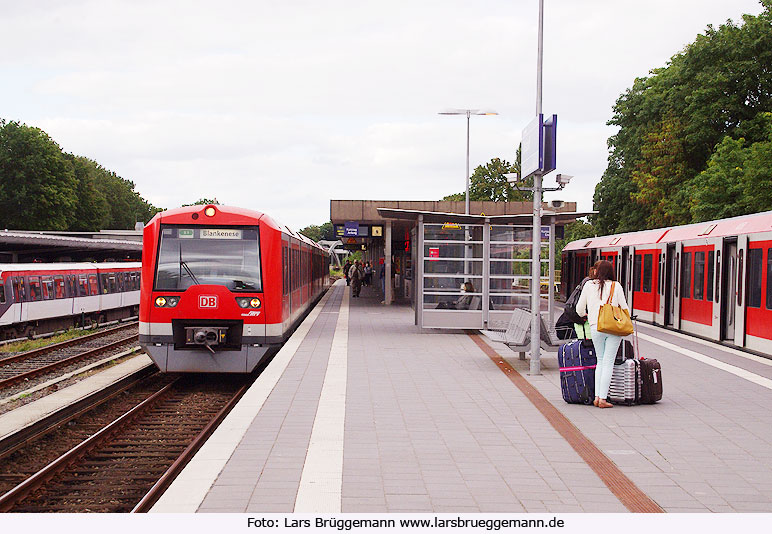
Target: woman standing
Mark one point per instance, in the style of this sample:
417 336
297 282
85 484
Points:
594 294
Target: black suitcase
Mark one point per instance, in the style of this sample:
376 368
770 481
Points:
577 372
651 381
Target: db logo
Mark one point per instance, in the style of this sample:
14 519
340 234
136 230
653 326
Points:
207 301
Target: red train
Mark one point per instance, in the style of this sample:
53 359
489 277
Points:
44 297
222 286
712 279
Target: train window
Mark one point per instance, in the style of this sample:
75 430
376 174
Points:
59 287
755 257
93 286
34 288
769 278
699 274
103 280
71 286
647 260
47 286
82 286
18 289
228 257
637 273
686 276
112 283
709 285
2 293
741 257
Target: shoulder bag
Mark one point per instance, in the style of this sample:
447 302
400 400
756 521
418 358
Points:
614 319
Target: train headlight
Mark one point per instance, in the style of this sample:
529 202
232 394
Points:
167 302
209 212
255 303
243 302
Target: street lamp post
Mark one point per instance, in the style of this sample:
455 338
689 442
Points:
468 113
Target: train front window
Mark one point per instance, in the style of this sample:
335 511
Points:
227 257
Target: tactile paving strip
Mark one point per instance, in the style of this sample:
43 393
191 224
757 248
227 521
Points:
617 482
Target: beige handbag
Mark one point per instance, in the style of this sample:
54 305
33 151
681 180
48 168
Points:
614 319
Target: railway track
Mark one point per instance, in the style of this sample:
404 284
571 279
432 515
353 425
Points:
35 363
127 464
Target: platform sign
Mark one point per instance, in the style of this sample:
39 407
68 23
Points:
377 231
538 153
351 229
532 151
434 253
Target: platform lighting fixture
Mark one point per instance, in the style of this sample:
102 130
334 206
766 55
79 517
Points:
209 212
468 113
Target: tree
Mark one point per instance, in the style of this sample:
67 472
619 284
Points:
92 211
488 183
317 233
203 202
671 122
37 183
737 180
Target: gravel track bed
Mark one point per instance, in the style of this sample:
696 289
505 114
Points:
28 460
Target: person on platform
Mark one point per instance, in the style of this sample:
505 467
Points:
355 274
594 294
368 281
346 269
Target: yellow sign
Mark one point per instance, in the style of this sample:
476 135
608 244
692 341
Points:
351 241
450 225
377 231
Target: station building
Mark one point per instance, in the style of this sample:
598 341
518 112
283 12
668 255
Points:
427 250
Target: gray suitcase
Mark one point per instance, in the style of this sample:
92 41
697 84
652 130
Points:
625 385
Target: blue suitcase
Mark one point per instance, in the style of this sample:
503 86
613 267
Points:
577 363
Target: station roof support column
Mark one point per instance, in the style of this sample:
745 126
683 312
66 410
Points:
387 297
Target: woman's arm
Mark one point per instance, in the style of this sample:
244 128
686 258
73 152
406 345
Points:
621 297
581 305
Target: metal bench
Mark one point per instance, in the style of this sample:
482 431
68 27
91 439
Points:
517 337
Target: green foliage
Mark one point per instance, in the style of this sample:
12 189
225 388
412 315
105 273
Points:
488 183
737 180
203 202
326 231
671 122
37 183
42 188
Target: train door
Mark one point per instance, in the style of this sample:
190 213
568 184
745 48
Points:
728 289
661 315
633 278
18 297
623 276
741 287
671 284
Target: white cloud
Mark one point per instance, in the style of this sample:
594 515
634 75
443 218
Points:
280 106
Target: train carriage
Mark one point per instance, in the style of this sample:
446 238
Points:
222 286
40 297
711 279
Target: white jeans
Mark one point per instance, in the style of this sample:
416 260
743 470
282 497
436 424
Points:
606 346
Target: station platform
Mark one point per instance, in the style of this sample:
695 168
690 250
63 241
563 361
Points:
363 412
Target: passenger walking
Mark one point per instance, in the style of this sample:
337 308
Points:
346 269
355 274
368 274
382 276
594 294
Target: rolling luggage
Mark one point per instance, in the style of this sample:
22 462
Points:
625 387
651 381
577 372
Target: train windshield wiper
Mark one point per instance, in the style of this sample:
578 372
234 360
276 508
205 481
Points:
184 265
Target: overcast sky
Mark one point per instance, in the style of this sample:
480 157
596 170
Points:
280 106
